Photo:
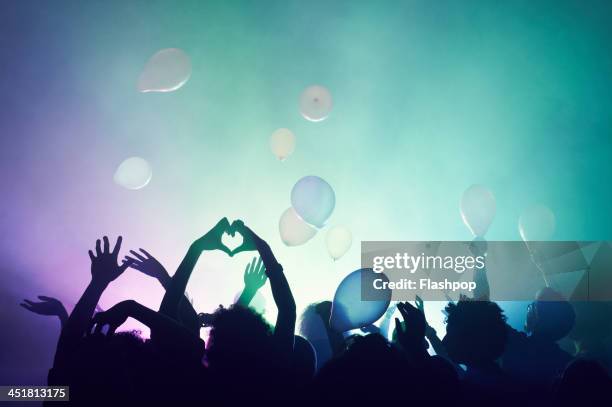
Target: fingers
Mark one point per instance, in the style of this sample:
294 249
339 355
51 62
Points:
259 265
146 253
45 298
398 327
26 306
106 244
98 249
401 306
91 255
124 266
29 302
253 268
134 263
137 255
117 246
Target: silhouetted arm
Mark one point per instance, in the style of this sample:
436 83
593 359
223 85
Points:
285 321
411 336
165 332
104 269
47 306
175 291
150 266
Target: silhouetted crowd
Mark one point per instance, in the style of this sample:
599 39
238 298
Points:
480 361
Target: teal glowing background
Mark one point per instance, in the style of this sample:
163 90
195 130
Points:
429 98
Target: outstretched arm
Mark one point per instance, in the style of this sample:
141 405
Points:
104 269
285 321
47 306
254 278
150 266
165 332
176 289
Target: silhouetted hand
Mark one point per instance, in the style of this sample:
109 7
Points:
147 264
411 336
113 317
104 267
212 239
255 275
250 241
46 306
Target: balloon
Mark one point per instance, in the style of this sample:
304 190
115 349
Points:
338 241
258 303
282 143
166 71
348 310
293 230
316 103
313 199
537 223
133 173
478 209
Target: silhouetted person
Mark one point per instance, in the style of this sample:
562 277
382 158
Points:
534 358
584 383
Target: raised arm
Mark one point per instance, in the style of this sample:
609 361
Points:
150 266
104 269
176 290
47 306
165 332
285 321
254 278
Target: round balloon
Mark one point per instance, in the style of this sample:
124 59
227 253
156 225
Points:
478 209
537 223
166 71
282 143
338 241
293 230
313 199
316 103
348 309
133 173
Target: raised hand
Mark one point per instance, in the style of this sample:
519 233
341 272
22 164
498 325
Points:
47 306
114 318
250 241
104 267
147 264
411 335
254 278
212 239
255 275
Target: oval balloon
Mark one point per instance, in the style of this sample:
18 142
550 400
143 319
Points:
478 209
133 173
293 230
316 103
349 311
338 241
537 223
313 200
282 143
166 71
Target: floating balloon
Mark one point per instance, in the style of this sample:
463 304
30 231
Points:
315 103
537 223
348 310
133 173
258 303
313 199
293 230
282 143
166 71
338 241
478 209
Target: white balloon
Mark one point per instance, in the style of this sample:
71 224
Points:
478 209
313 200
338 241
537 223
282 143
293 230
133 173
316 103
166 71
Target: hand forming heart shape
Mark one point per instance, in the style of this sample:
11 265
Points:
223 237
